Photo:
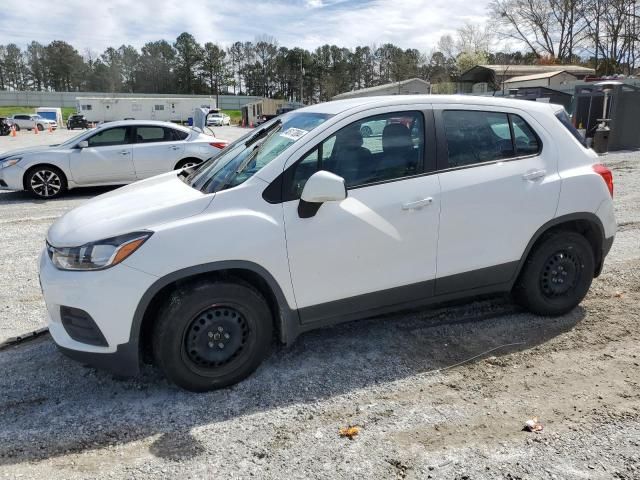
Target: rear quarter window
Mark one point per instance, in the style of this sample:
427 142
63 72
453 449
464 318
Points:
564 119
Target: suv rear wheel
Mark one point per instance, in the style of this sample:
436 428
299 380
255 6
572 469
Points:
211 335
557 274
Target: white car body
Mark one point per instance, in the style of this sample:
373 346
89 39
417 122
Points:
437 234
123 161
31 121
218 119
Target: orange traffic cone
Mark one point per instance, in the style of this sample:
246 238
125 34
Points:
251 125
50 129
13 130
35 129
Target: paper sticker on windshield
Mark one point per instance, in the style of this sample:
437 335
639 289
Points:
294 133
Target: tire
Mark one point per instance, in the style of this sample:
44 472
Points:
557 274
366 131
199 321
40 127
187 162
45 182
17 127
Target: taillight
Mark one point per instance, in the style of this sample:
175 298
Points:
606 175
219 145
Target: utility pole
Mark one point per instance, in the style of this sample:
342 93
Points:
597 39
301 79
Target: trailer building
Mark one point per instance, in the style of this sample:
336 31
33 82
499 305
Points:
107 109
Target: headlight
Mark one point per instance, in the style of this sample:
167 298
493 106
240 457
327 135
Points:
10 162
97 255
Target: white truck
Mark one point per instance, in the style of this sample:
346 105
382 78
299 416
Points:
169 109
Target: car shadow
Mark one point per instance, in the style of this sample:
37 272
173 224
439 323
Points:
7 197
51 406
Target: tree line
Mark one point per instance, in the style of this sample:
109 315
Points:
598 33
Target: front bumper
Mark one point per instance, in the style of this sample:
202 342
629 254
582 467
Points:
110 297
11 178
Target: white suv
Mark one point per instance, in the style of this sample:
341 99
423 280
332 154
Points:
29 122
304 223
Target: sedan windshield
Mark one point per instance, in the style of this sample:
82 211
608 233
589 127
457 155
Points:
242 159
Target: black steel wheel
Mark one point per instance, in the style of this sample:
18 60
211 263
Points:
212 334
215 337
557 274
45 182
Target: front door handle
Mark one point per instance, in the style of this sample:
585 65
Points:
417 204
533 175
124 152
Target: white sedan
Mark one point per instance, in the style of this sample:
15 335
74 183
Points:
115 153
218 119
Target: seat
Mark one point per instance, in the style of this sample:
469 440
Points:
349 159
399 157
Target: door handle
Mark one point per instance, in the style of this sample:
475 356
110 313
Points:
533 175
417 204
175 147
124 152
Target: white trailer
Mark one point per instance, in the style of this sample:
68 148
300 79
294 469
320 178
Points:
170 109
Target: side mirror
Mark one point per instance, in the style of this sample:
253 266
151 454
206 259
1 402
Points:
83 144
321 187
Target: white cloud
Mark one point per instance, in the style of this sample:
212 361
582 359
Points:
294 23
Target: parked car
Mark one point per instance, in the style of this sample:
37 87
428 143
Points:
5 127
114 153
31 121
77 121
298 226
218 119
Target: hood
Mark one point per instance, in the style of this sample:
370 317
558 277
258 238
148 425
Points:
24 151
138 206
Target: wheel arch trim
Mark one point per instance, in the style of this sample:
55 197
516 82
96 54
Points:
571 217
39 165
288 323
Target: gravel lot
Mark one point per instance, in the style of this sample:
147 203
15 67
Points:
436 394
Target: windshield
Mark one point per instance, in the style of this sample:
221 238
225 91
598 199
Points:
76 138
247 155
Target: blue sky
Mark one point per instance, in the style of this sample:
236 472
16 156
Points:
94 24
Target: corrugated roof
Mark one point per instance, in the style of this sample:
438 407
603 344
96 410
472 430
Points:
537 76
381 87
533 69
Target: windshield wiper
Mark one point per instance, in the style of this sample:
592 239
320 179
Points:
261 133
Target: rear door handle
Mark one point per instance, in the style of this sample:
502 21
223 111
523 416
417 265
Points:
533 175
417 204
175 147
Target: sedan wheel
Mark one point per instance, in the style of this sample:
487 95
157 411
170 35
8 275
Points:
46 182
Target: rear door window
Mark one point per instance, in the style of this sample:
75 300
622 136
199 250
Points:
475 137
150 134
174 134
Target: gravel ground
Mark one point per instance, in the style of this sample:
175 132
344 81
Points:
436 394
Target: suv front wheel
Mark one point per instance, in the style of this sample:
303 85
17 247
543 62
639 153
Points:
557 274
211 335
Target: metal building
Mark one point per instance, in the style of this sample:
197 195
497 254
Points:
412 86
